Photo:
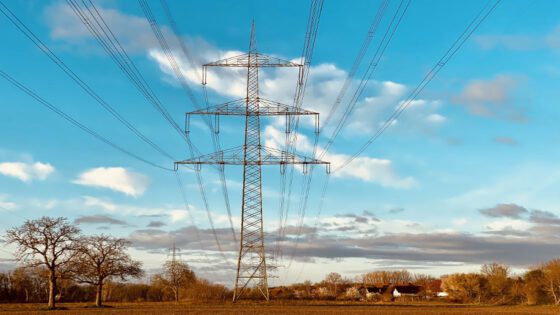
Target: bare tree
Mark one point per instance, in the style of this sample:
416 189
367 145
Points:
465 287
498 280
45 242
176 275
101 257
333 279
387 277
534 286
551 271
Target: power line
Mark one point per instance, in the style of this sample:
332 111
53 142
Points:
317 218
189 212
457 44
179 74
313 20
76 123
105 37
167 51
386 40
372 31
215 134
56 60
251 266
387 37
187 208
176 31
188 91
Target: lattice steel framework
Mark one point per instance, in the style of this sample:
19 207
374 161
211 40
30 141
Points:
251 263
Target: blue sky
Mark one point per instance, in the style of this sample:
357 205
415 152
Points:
467 175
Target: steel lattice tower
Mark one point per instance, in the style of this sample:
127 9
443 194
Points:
251 263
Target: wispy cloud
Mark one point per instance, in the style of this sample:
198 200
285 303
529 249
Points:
114 178
156 224
26 172
98 219
174 214
506 140
492 98
505 210
428 247
6 204
520 42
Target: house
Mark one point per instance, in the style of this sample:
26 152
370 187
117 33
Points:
433 288
409 291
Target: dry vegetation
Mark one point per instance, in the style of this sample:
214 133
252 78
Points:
59 265
291 307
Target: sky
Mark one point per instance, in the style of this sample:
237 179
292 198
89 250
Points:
467 175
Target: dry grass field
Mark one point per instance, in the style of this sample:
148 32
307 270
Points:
278 308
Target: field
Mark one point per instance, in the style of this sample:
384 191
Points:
277 308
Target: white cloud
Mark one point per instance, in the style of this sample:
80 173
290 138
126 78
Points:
26 172
46 204
174 214
112 207
506 223
114 178
369 169
379 99
132 31
278 84
436 118
178 215
324 83
96 202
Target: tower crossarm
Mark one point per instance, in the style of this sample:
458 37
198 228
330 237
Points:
269 156
250 59
239 108
266 108
262 60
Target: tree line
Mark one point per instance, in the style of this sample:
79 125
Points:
58 263
495 283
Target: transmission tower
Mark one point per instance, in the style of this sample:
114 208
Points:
175 254
251 263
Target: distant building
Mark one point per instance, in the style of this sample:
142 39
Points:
371 292
409 291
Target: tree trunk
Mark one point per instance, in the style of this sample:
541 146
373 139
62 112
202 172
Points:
52 289
176 292
99 295
553 293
